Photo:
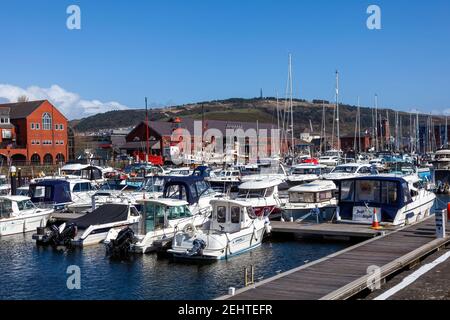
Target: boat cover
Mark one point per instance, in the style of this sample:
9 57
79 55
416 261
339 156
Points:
107 213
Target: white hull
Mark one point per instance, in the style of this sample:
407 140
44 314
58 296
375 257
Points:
23 224
219 245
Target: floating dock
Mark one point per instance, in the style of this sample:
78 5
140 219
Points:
345 273
326 230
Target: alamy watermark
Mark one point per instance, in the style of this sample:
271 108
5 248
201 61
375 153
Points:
374 20
73 21
74 280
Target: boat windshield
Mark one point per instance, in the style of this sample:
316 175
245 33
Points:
5 208
305 171
345 169
252 193
178 212
25 205
370 191
153 184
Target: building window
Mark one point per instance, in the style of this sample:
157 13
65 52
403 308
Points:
46 121
37 126
38 141
61 127
6 134
61 142
32 126
33 142
4 120
56 126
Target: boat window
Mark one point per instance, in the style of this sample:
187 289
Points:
202 188
3 180
5 208
178 212
134 211
25 205
235 214
368 191
347 191
236 174
82 187
364 170
221 214
176 191
406 193
154 216
39 192
344 169
269 191
253 193
325 195
303 197
389 192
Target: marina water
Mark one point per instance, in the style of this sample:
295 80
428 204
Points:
30 272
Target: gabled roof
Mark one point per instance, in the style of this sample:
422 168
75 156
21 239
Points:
20 110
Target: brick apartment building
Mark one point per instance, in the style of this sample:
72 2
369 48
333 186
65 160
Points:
34 131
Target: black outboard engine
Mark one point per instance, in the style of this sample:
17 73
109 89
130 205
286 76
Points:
120 248
55 238
197 248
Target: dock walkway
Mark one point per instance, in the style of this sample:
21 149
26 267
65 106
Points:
345 273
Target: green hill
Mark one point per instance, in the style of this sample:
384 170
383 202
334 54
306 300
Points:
247 110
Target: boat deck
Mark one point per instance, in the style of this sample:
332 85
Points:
345 273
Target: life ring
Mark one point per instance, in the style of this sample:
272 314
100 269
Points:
190 230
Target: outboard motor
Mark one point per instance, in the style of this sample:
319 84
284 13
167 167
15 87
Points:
197 248
56 237
119 248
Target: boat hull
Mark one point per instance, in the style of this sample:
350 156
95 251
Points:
23 224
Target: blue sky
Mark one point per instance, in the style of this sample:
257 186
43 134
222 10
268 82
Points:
194 50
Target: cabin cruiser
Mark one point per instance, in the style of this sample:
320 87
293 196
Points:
19 215
61 192
232 229
303 173
311 202
226 179
161 218
267 171
153 188
349 170
192 189
91 228
397 200
85 171
263 196
441 166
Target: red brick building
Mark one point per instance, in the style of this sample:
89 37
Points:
34 131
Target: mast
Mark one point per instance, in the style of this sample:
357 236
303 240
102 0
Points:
446 132
323 133
146 132
291 105
355 142
417 133
376 122
337 112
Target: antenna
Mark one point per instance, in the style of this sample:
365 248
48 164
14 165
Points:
337 112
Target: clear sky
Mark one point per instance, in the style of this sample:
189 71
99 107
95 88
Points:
195 50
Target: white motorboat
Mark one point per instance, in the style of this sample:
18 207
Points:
19 215
232 229
329 161
161 218
267 171
91 228
350 170
311 202
304 173
441 164
397 200
263 196
226 179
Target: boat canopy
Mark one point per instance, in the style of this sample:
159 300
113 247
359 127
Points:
107 213
188 188
51 191
260 184
315 186
387 193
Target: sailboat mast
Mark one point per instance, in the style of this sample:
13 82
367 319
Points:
337 112
146 132
376 122
291 105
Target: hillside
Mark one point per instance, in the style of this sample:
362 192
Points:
248 110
